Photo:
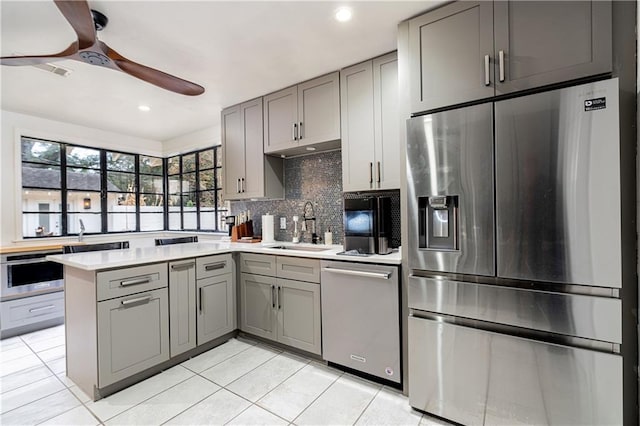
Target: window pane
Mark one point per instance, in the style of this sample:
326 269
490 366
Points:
34 200
174 184
190 219
174 202
120 161
207 210
40 152
151 221
83 179
189 163
151 184
218 157
189 200
208 220
206 159
121 202
174 221
151 165
207 199
219 179
41 224
206 179
83 157
152 200
87 202
40 176
173 163
92 222
188 182
117 181
119 222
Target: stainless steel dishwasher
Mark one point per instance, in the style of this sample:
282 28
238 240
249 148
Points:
360 317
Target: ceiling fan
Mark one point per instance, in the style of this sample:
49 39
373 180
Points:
89 49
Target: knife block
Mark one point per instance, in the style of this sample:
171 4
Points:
242 230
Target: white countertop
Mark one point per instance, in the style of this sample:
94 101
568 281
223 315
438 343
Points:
97 260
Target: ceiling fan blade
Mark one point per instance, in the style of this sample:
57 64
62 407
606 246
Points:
150 75
78 14
40 59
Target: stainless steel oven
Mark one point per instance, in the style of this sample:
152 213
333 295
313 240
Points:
29 274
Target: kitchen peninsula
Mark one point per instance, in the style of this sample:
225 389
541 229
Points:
132 313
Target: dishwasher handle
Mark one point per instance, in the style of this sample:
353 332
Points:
381 275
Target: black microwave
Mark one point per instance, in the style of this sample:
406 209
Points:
367 224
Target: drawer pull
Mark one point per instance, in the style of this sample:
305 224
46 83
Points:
143 280
182 266
42 308
383 275
214 266
137 300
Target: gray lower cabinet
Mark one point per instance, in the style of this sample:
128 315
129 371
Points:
182 305
285 305
23 315
216 297
470 50
132 335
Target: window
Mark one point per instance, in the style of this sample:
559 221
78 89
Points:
194 191
64 185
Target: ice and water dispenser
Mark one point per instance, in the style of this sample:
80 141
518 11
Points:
438 222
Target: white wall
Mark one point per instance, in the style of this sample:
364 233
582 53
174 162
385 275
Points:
193 141
14 125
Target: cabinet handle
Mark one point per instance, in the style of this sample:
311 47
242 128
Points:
214 266
200 299
300 130
294 132
238 186
370 173
378 173
242 185
487 81
501 56
135 281
182 266
136 300
383 275
279 296
273 297
42 308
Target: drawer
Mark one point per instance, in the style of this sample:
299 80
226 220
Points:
125 281
259 264
212 266
296 268
30 310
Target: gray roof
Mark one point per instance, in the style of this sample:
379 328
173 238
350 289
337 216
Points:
45 178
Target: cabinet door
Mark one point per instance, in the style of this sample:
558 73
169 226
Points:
448 48
546 42
357 116
252 183
258 305
133 335
216 307
182 306
299 315
233 151
280 116
319 110
387 122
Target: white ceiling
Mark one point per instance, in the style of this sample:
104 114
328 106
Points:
237 50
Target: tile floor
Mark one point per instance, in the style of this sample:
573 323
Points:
238 383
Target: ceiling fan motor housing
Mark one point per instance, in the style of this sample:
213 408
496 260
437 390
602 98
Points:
99 20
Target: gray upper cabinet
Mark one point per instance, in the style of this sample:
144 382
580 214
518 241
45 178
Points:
370 125
303 115
540 43
182 306
466 51
449 55
248 173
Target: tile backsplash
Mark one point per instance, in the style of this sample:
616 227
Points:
316 178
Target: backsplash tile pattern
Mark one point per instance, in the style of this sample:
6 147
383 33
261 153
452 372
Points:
316 178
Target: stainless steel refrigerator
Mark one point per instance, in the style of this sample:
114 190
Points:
515 256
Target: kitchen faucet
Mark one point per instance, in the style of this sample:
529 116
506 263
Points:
310 214
80 235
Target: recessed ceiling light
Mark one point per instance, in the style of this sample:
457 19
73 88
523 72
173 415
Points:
343 14
145 108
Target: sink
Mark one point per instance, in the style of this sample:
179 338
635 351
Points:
299 248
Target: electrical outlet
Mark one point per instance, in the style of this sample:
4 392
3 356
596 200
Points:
283 223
